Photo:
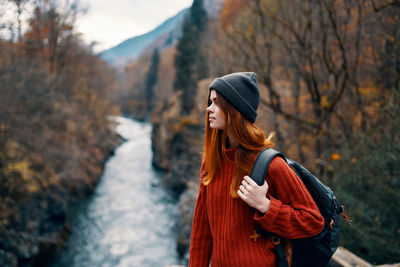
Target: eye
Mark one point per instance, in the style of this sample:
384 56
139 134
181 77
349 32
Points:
212 101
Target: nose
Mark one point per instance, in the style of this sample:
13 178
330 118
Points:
210 108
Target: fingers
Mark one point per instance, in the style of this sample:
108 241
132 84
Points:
254 195
251 183
246 188
248 197
244 195
243 189
241 195
249 180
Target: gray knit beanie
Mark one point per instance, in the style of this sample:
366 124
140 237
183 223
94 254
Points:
241 90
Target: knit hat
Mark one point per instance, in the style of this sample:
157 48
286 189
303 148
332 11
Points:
241 90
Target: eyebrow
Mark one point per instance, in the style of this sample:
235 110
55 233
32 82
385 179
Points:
213 98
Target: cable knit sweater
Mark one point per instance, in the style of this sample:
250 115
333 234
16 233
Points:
222 225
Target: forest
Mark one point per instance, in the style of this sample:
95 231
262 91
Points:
329 72
56 97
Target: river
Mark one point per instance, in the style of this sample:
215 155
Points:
129 220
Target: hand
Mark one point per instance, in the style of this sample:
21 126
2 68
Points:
254 195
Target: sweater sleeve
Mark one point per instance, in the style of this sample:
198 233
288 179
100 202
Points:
201 238
293 213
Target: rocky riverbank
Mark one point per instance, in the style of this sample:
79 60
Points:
177 144
34 199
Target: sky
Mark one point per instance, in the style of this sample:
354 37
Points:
109 22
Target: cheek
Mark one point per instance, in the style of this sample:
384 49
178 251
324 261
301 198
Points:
222 119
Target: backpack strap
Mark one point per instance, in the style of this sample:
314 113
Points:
258 174
261 165
282 260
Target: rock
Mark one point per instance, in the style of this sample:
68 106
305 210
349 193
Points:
35 227
8 259
33 206
186 210
185 157
163 132
177 143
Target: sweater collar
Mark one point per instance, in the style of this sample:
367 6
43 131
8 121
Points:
229 153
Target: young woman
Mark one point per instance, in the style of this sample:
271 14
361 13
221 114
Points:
223 231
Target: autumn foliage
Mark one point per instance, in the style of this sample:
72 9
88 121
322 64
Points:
54 132
230 10
330 77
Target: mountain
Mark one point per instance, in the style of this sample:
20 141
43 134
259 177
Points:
130 49
162 36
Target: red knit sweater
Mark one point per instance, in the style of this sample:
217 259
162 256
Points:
222 225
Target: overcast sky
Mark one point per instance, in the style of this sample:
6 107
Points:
109 22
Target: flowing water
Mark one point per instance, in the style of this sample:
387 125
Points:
129 219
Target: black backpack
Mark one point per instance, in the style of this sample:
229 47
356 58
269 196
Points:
316 251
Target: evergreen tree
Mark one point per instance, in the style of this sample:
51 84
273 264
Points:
151 79
198 16
189 61
368 185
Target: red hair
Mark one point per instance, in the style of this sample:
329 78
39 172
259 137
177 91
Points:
251 140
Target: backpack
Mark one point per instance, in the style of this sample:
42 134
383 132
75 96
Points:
318 250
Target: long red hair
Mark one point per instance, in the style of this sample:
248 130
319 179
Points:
251 140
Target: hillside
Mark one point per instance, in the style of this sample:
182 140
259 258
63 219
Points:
162 36
130 49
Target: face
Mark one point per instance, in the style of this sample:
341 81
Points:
216 117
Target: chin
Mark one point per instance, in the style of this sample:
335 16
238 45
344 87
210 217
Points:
216 127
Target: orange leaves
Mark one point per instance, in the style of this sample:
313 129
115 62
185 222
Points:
22 167
370 91
391 38
335 156
251 30
230 10
325 102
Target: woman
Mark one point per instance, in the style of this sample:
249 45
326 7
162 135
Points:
223 231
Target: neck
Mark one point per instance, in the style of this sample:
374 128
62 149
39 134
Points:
232 140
